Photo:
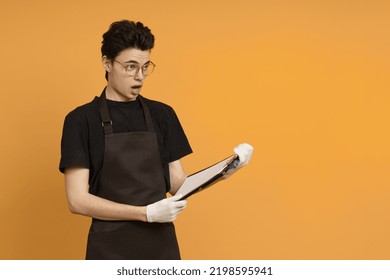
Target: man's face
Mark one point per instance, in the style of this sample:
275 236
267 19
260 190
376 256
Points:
121 86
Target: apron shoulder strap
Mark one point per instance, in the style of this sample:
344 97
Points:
104 114
148 116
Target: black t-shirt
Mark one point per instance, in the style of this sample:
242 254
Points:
82 141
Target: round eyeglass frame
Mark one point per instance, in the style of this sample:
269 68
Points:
149 72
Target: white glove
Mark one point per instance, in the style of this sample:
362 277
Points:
244 152
165 210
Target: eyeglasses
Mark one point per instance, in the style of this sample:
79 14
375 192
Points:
133 68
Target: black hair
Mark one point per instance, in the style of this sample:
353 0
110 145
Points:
126 34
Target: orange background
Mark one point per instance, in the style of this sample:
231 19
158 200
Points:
305 82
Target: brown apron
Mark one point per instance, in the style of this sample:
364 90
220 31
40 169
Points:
131 174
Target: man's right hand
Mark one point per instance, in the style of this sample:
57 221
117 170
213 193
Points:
165 210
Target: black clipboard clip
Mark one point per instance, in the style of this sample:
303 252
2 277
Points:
233 164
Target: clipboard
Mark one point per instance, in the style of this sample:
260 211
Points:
207 177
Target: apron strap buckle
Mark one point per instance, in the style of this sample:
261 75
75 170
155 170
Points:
107 126
107 123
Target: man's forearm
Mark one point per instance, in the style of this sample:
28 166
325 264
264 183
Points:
103 209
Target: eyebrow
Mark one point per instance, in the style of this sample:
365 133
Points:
133 61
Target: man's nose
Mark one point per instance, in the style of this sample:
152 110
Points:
140 75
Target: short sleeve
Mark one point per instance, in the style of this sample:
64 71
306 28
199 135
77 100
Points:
74 144
178 144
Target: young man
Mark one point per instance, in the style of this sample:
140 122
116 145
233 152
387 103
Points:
121 154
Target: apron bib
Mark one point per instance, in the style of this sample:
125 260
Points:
131 174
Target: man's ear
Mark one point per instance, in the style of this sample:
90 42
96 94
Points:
106 63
